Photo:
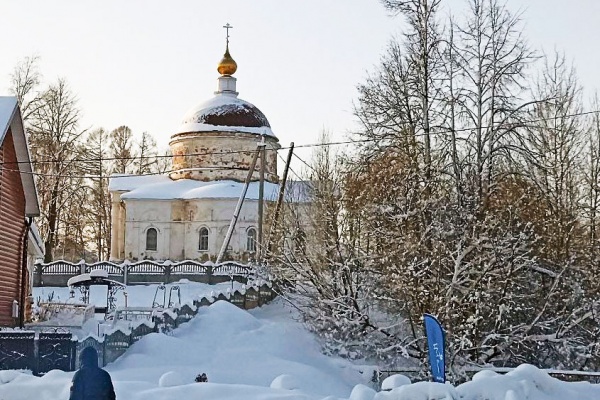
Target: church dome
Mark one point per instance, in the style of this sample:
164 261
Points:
218 139
225 113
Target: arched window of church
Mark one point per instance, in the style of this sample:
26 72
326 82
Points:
251 240
203 239
151 239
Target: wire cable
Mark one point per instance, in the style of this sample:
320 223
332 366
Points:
308 145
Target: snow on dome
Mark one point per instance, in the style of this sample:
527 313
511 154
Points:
225 113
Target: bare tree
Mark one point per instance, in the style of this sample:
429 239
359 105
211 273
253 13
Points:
492 56
554 143
450 104
145 161
99 205
25 81
461 240
591 180
121 149
422 42
325 272
54 138
163 162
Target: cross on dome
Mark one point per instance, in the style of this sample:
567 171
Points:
227 66
227 26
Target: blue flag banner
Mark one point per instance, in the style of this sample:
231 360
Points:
435 344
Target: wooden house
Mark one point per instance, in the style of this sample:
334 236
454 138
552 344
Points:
18 205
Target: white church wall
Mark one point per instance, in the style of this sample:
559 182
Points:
178 224
140 216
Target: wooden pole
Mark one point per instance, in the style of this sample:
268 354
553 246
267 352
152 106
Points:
236 214
261 198
279 200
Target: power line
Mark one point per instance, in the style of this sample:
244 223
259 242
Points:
290 167
134 158
120 176
309 145
305 163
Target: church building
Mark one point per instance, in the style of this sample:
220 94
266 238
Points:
186 214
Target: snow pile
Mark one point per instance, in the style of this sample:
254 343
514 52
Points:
286 382
170 379
525 382
394 381
265 354
362 392
422 391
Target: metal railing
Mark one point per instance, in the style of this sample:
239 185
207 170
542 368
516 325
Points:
58 272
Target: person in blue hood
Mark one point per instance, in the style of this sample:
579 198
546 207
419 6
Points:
91 382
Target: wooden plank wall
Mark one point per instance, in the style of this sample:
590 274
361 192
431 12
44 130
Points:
12 228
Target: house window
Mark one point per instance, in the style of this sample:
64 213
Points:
251 240
151 239
203 239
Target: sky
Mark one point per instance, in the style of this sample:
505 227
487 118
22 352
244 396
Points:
266 354
144 63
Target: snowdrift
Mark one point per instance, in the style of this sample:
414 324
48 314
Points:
266 354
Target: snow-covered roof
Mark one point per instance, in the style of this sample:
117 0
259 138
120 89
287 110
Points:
163 188
78 279
92 279
10 117
126 182
225 113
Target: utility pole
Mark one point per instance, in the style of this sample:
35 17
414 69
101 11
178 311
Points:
261 195
279 200
240 202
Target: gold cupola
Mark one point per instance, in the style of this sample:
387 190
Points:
227 65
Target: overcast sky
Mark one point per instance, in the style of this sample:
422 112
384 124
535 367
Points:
144 63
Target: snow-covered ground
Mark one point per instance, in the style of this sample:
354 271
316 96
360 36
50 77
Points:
266 354
137 295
